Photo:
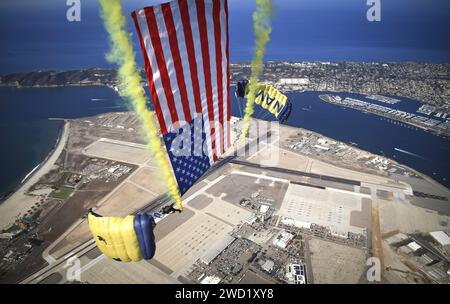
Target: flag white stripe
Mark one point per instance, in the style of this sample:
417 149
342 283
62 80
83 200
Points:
142 21
223 28
201 77
184 56
220 131
212 60
170 65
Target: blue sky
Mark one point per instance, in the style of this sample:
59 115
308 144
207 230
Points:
36 35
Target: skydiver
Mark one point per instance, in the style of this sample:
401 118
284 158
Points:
241 88
169 209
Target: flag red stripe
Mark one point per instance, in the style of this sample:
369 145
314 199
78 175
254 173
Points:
173 41
159 54
218 44
184 11
228 76
148 70
200 5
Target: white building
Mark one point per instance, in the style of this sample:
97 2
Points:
296 223
414 246
210 280
268 265
113 168
441 237
295 274
321 147
322 141
294 81
283 239
263 209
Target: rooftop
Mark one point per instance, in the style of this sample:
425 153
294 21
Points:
441 237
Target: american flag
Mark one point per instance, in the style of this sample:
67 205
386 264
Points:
185 48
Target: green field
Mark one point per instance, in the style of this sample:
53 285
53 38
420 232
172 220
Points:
62 193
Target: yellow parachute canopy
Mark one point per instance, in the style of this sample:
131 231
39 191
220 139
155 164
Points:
268 98
124 239
115 237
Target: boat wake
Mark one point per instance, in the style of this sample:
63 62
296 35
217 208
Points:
410 153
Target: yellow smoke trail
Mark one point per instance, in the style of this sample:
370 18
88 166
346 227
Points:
122 54
262 29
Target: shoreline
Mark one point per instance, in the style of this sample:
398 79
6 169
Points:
24 202
35 169
19 202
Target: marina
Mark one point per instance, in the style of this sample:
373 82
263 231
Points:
433 124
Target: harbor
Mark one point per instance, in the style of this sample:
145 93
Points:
433 124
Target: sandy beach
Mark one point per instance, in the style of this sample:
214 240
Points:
19 203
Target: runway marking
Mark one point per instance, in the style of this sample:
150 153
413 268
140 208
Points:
275 179
349 192
92 263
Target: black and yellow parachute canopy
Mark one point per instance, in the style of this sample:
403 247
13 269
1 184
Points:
124 239
269 98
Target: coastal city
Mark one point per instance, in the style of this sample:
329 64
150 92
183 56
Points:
224 150
243 223
285 224
427 83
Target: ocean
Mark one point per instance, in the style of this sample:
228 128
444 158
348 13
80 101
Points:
26 133
320 30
